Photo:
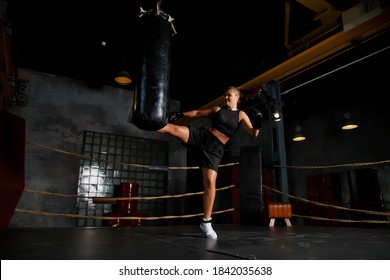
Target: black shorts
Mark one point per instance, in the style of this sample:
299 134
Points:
209 148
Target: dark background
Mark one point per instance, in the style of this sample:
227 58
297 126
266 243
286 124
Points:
218 43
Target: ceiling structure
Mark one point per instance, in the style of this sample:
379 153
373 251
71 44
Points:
336 65
218 43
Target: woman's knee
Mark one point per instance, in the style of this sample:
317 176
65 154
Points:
164 129
209 183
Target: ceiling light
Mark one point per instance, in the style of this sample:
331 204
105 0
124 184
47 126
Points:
277 116
348 124
123 78
298 136
276 112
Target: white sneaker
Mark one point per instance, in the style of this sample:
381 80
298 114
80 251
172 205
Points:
208 230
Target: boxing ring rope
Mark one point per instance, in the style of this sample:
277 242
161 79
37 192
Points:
96 199
150 167
117 218
197 167
335 207
124 198
199 214
108 199
335 166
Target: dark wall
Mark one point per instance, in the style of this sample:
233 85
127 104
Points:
57 111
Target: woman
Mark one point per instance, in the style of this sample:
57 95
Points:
210 142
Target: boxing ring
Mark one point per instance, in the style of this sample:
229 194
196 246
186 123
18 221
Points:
350 239
236 241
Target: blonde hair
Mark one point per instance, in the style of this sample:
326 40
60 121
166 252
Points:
235 88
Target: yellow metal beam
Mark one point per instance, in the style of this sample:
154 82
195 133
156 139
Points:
320 52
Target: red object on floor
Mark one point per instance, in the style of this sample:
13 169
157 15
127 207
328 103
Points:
125 208
127 190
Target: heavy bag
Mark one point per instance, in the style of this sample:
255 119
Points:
151 101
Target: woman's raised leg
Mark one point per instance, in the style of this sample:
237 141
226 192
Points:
181 132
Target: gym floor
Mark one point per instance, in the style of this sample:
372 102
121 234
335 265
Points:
186 243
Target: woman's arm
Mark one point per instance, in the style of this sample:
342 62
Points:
247 124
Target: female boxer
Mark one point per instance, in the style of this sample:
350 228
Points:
211 141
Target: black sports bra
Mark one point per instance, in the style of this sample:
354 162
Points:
226 121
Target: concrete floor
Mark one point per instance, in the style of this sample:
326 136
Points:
186 243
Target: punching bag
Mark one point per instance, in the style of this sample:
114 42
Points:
151 101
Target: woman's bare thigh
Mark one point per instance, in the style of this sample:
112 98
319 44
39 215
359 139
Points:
179 131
